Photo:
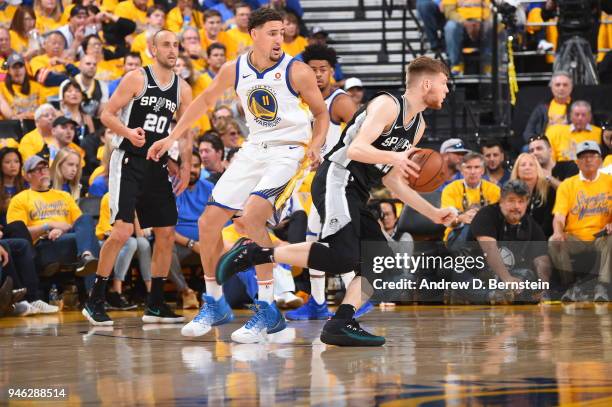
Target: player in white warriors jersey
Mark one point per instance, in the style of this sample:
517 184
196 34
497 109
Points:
266 169
341 108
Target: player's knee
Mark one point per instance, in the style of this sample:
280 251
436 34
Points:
249 223
164 235
122 232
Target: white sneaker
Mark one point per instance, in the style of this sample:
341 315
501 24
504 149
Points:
601 293
196 328
544 46
42 307
22 308
288 300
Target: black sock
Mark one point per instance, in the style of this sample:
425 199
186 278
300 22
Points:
262 255
98 292
156 296
345 311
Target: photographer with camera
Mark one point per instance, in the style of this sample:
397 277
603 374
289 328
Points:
575 18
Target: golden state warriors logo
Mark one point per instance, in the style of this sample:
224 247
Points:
263 106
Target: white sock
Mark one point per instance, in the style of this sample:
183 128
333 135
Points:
317 286
213 289
265 290
347 278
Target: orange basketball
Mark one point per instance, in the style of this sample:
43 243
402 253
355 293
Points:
432 170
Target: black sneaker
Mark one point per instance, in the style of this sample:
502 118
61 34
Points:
155 314
96 314
237 259
87 265
118 302
347 332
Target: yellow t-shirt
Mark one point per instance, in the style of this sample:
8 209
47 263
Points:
18 43
6 17
146 58
109 70
43 62
21 103
128 10
104 226
557 113
471 9
46 24
203 123
296 46
9 142
140 43
174 20
607 161
238 43
587 205
563 141
37 208
453 196
31 143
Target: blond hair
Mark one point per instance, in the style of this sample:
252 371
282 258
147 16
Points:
541 183
57 178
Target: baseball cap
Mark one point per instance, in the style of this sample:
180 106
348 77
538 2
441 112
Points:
14 58
453 145
587 146
78 9
353 83
317 29
32 162
64 120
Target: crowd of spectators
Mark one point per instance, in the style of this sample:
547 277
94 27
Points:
60 63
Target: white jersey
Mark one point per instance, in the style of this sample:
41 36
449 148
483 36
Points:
335 129
271 105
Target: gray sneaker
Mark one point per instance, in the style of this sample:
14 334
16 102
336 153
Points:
601 293
573 294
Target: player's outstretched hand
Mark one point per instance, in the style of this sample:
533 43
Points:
158 149
406 166
314 156
137 137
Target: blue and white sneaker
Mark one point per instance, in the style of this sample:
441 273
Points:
267 320
364 309
211 314
309 311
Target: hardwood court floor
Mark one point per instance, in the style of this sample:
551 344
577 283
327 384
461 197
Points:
457 356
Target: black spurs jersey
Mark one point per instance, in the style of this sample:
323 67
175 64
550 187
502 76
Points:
398 138
153 110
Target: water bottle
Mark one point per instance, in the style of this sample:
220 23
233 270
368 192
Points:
54 298
186 22
34 42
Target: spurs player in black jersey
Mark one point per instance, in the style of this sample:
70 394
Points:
139 113
374 147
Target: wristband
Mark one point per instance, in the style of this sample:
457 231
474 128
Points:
190 244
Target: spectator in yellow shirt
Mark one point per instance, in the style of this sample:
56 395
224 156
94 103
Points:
21 94
135 10
192 47
198 83
22 26
108 67
216 58
583 219
61 232
565 137
156 20
35 141
51 68
211 32
7 11
554 112
471 18
293 43
48 15
184 15
5 50
240 39
468 196
63 132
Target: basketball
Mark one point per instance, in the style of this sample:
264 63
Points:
432 170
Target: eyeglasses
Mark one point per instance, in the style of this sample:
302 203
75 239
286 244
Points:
39 170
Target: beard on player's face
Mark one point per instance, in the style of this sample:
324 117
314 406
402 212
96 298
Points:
433 101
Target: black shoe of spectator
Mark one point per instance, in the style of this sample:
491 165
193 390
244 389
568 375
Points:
19 294
87 265
118 302
50 269
96 314
6 296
